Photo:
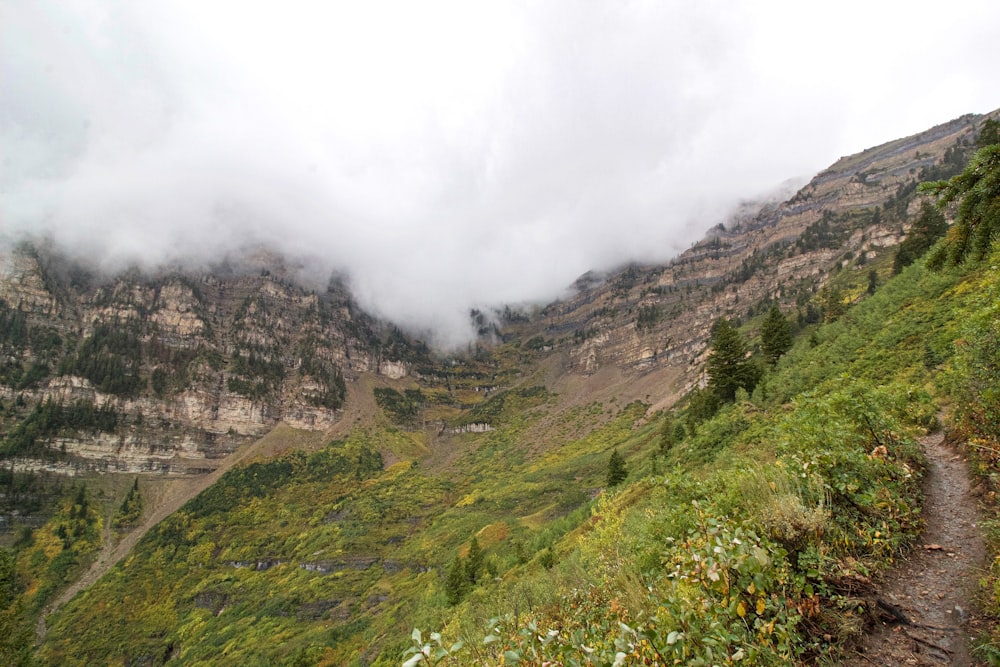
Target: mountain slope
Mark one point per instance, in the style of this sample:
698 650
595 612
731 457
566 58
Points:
333 555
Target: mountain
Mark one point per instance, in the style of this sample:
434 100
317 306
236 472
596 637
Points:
384 486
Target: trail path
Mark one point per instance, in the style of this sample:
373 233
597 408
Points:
174 493
934 587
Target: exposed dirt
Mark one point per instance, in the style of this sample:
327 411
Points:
934 588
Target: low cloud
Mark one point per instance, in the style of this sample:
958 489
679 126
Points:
447 155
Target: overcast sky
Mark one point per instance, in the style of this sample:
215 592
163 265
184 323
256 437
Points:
452 154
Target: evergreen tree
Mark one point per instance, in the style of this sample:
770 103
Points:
668 434
702 405
456 581
872 281
474 562
548 558
775 335
616 469
989 134
728 367
924 233
977 223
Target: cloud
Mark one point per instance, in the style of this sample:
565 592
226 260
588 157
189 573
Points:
449 154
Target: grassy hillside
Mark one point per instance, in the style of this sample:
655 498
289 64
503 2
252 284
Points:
747 529
746 535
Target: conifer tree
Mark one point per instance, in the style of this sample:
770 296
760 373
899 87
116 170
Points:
456 581
474 562
775 335
977 222
728 367
668 434
616 469
924 233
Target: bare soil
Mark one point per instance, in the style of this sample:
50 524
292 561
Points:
934 588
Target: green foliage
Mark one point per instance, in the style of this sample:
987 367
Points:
57 552
474 562
671 432
537 343
649 316
733 551
505 404
977 222
25 346
401 407
728 367
49 419
130 512
702 404
775 335
617 472
17 637
827 232
974 379
254 373
924 233
989 134
456 581
110 357
333 390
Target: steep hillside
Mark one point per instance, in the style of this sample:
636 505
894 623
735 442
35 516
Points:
649 317
489 485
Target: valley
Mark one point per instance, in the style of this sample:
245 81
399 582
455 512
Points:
317 483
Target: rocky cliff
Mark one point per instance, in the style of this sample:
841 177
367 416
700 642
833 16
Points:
650 317
192 363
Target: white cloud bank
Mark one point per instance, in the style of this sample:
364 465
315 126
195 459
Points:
450 154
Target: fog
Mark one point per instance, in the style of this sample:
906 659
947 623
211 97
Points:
448 155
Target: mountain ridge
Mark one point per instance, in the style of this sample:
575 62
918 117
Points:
502 447
207 331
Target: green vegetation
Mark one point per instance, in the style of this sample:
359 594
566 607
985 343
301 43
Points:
31 436
775 335
728 368
750 514
110 357
255 373
131 509
617 472
977 193
924 233
402 407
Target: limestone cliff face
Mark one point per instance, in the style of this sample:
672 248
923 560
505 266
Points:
644 317
22 283
193 363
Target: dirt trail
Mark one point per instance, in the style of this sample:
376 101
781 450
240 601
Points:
172 494
935 586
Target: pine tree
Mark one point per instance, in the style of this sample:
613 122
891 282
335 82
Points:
977 222
456 581
728 367
616 469
924 233
775 335
667 434
474 562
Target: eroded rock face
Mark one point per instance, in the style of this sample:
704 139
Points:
208 360
22 283
196 363
855 209
177 314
